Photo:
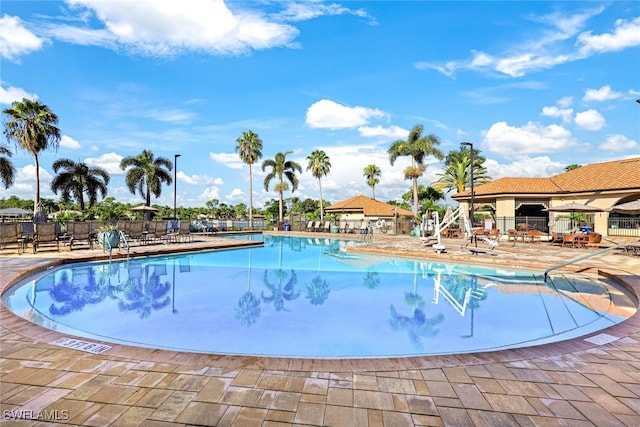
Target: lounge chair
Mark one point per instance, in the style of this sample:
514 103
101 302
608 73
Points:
79 231
491 245
327 227
46 233
343 227
9 235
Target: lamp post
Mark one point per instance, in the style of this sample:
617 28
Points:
175 186
470 145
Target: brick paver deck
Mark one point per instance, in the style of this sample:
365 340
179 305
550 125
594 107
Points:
574 383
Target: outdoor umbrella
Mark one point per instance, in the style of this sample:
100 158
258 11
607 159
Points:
573 208
144 208
630 208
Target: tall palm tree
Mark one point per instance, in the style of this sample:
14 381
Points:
373 174
7 171
32 126
320 166
417 147
249 147
457 173
146 174
281 168
77 178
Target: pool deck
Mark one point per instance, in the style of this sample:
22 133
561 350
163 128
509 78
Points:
575 382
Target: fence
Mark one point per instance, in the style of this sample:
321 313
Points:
624 226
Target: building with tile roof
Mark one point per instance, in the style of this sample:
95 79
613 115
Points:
362 209
601 185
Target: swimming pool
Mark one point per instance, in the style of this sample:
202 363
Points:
310 298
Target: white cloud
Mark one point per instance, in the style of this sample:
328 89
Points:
391 132
209 193
109 161
564 113
617 143
236 196
331 115
565 101
590 120
198 179
230 160
168 28
70 143
536 167
626 34
309 10
551 46
9 95
532 138
169 116
603 94
25 184
15 39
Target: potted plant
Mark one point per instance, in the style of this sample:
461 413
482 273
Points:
108 234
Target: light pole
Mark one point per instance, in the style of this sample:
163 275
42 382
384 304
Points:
175 186
470 145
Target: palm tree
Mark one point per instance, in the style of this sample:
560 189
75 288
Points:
7 171
320 166
249 146
32 126
146 174
457 173
281 168
417 147
373 174
78 178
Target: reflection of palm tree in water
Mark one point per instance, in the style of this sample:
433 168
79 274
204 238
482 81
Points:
417 325
372 280
279 292
248 308
144 296
318 290
74 295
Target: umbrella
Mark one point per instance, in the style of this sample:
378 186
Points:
144 208
572 208
630 208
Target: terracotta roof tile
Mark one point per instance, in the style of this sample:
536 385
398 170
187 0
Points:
614 175
368 206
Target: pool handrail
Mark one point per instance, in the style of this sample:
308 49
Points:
580 258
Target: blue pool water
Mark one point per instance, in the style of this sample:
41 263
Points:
304 297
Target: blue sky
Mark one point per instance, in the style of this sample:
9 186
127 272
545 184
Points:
536 86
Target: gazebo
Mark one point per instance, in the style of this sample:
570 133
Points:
382 217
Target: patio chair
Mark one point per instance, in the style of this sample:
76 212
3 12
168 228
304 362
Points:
46 234
343 227
160 231
309 226
9 235
534 236
184 231
136 232
79 231
327 227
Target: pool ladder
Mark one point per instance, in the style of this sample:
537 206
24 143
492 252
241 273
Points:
580 258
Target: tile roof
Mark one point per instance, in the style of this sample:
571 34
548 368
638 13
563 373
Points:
615 175
368 206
